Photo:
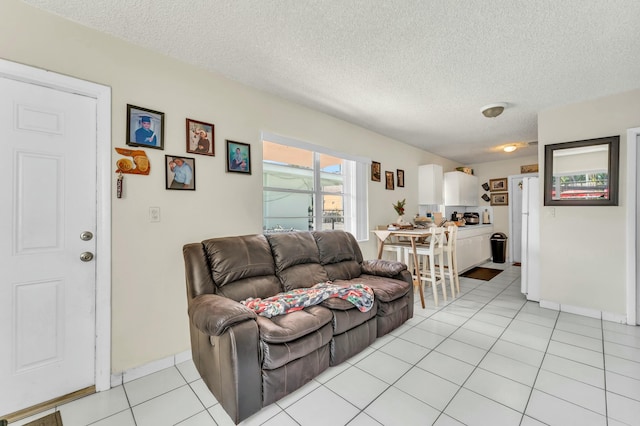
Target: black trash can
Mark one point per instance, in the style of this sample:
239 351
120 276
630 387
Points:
499 247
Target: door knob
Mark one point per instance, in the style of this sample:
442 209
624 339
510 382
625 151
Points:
86 236
87 256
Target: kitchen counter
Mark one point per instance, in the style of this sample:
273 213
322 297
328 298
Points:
479 226
473 245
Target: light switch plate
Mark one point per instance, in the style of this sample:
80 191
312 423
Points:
154 214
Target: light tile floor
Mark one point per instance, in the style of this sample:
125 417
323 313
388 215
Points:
488 357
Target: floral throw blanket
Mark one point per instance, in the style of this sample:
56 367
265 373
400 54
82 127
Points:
295 300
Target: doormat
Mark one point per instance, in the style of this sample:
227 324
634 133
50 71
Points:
480 273
52 419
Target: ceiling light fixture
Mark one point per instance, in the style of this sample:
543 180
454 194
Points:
493 110
509 148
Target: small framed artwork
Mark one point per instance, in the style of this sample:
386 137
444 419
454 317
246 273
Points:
497 185
200 138
485 197
145 127
531 168
501 199
180 172
238 157
389 178
375 171
400 175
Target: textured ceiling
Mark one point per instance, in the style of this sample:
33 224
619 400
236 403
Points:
415 70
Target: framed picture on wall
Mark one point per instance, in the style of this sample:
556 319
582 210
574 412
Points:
200 138
400 175
389 178
498 185
180 172
375 171
500 199
238 157
145 127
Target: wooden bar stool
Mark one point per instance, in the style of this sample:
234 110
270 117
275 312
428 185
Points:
427 254
394 247
451 266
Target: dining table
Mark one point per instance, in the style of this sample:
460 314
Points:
413 235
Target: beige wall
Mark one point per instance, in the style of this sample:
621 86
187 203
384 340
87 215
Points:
497 170
149 319
583 248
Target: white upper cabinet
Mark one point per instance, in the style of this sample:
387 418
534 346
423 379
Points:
430 184
460 189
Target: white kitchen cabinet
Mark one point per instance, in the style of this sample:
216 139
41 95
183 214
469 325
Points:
430 181
473 246
460 189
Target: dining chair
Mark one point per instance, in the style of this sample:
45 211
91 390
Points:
428 254
394 246
451 265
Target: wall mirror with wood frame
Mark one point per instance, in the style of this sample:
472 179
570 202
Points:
582 173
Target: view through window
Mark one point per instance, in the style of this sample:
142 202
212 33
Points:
304 189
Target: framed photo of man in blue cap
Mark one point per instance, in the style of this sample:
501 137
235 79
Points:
145 127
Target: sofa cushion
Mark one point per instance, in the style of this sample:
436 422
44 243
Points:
297 260
306 275
339 254
237 258
386 289
334 246
346 270
293 248
347 319
287 328
383 267
264 286
275 355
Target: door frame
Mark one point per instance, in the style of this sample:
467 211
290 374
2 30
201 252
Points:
632 224
102 95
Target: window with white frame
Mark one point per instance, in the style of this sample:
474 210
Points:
308 187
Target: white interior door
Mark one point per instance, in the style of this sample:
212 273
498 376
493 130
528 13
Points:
47 293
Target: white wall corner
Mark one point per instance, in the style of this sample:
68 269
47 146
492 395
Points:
118 379
146 369
578 310
549 305
585 312
617 318
182 357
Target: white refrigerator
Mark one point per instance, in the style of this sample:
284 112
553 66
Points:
530 269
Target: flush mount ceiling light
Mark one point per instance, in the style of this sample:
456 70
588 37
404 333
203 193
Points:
509 148
493 110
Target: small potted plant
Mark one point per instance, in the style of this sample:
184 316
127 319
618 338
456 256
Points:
399 208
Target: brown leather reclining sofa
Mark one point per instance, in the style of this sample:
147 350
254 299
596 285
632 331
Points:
250 361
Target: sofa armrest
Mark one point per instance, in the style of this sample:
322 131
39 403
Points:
383 268
213 315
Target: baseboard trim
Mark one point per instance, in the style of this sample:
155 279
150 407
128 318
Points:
586 312
126 376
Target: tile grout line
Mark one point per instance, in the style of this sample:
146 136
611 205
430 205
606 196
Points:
485 355
604 372
533 385
390 385
447 337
